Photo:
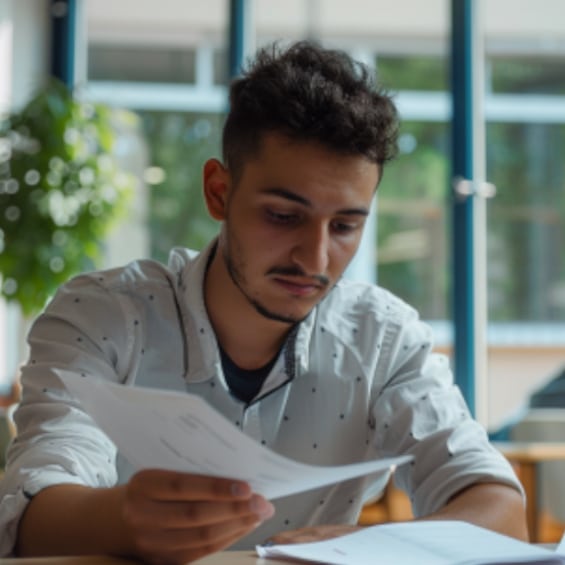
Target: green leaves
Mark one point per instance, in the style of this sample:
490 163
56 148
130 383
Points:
61 188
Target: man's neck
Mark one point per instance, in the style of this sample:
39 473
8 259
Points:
249 339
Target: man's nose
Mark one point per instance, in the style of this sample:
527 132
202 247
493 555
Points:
311 251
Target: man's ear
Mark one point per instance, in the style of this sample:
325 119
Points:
216 183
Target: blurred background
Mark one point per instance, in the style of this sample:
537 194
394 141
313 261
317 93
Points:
169 63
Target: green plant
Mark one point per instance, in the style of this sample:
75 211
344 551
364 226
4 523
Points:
61 189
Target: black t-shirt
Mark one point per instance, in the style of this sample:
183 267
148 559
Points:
244 384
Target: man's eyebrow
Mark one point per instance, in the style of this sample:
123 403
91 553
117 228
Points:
288 195
292 196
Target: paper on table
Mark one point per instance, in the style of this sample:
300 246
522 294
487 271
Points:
180 431
431 542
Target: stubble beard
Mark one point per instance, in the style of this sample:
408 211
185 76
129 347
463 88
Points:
235 271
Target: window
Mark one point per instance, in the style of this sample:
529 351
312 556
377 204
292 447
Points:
173 73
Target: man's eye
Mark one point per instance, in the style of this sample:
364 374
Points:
280 217
344 227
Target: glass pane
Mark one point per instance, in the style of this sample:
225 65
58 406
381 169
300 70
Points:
412 253
141 64
413 72
221 70
527 222
179 144
535 75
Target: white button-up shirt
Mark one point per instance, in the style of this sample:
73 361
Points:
356 380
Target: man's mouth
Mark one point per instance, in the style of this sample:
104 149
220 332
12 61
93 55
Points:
295 275
301 288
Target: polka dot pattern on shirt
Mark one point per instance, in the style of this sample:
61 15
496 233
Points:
340 343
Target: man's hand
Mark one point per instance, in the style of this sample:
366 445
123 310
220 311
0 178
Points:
162 517
177 518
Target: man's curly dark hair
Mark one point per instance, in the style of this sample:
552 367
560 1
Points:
309 93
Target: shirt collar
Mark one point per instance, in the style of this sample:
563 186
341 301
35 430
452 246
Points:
203 359
203 356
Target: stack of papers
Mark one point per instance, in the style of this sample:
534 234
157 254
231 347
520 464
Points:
431 542
181 432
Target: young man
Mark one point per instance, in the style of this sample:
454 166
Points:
261 325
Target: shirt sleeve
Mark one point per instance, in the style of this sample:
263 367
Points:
418 410
82 331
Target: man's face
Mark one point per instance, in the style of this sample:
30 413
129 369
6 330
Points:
293 223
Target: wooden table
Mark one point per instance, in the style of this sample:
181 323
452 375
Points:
526 456
222 558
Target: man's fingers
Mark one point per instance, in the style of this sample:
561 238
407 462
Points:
170 485
181 515
176 517
182 546
204 536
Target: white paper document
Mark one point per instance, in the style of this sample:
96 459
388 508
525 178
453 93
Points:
181 432
431 542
